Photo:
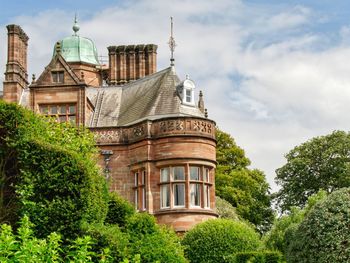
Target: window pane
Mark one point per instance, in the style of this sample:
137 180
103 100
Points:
179 173
194 173
188 95
53 109
195 195
165 196
63 109
143 198
44 109
164 175
143 178
71 109
206 175
179 194
72 119
206 196
62 118
60 76
136 199
136 179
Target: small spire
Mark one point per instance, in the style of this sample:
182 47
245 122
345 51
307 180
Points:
76 27
58 47
172 43
201 102
206 113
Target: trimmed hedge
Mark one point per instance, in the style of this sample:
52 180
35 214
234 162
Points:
49 174
216 239
119 210
255 257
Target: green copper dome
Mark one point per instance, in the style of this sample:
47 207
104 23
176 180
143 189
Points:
78 49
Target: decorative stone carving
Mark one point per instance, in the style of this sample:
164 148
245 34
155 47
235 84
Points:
171 125
107 136
138 131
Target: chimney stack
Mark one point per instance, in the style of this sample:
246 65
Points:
128 63
16 75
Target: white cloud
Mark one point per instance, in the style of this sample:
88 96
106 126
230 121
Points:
286 91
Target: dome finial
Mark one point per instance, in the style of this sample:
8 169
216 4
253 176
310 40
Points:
76 27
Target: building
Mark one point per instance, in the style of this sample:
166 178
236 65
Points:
157 144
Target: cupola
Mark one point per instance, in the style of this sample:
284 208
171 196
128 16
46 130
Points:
78 49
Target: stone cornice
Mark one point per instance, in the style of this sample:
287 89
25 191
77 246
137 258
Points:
168 127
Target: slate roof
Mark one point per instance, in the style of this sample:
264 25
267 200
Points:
152 97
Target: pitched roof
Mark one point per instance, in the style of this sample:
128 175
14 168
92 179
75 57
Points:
151 97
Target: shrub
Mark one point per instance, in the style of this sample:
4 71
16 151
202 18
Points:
153 242
225 209
255 257
48 172
108 237
214 240
119 210
323 236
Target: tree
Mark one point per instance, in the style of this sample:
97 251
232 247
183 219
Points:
282 231
216 239
48 172
323 236
320 163
245 189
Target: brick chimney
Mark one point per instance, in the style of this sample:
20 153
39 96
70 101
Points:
16 75
127 63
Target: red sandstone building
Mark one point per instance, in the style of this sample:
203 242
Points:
157 144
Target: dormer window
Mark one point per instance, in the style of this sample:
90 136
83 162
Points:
57 76
186 90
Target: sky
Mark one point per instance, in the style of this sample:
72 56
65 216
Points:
274 73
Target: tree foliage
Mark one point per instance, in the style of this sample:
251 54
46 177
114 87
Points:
324 234
216 239
320 163
282 231
48 172
245 189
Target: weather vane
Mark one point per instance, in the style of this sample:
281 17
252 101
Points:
172 43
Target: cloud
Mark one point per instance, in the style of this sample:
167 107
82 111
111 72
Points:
264 77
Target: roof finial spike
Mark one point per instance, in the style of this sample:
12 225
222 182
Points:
172 43
76 27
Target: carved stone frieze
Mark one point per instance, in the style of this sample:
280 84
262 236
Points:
181 126
108 136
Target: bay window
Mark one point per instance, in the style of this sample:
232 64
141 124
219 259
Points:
185 186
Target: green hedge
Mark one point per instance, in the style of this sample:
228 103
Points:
214 240
255 257
48 172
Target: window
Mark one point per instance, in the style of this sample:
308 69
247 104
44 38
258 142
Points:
62 112
186 91
177 182
140 190
57 76
195 186
188 96
206 189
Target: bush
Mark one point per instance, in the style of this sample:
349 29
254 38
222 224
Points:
225 209
255 257
48 172
214 240
153 242
109 238
24 247
282 231
119 210
323 236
